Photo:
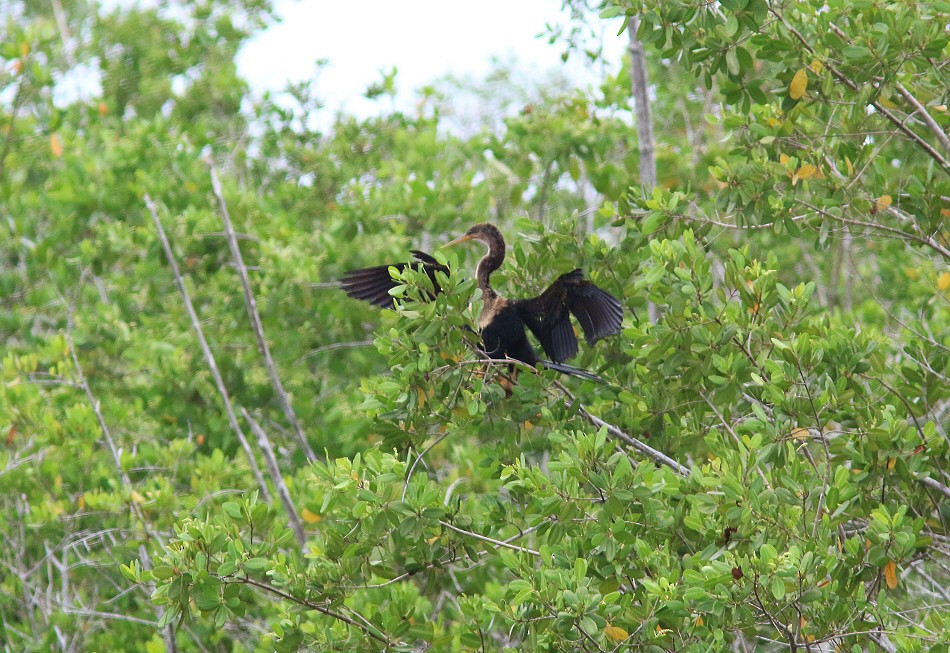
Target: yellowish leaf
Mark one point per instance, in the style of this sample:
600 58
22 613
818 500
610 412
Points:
800 434
783 159
890 574
850 165
24 49
433 539
699 621
806 171
945 213
816 67
616 634
942 108
890 463
422 397
882 202
943 281
56 145
887 103
310 517
799 85
137 498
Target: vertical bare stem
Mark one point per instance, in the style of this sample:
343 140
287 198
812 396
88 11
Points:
209 357
255 317
264 443
168 633
94 403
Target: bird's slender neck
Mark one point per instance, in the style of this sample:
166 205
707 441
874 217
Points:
490 262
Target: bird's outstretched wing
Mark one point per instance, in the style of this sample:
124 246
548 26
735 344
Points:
373 284
548 315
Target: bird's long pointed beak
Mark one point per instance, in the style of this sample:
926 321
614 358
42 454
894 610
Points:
460 239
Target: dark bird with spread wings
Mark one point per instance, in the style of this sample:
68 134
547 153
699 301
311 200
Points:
502 322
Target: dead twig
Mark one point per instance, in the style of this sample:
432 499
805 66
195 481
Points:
209 357
264 443
255 317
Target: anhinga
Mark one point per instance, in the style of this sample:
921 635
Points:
502 321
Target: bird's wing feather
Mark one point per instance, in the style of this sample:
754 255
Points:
373 284
548 315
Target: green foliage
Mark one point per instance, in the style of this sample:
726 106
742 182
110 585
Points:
788 319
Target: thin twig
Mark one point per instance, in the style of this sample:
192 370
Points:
333 346
370 630
921 239
925 116
255 317
485 538
880 108
650 452
264 443
209 357
94 403
657 456
735 436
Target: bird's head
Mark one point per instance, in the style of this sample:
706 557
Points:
484 232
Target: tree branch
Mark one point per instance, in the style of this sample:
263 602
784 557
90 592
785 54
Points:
264 443
485 538
925 116
209 357
255 317
880 108
370 630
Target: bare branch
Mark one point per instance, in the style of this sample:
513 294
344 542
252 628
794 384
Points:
370 630
209 357
255 317
264 443
485 538
657 456
935 485
880 108
94 403
925 116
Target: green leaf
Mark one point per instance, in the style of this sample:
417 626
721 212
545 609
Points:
256 564
777 587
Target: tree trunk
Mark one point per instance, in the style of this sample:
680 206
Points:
640 82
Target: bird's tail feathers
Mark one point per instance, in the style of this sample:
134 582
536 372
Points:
570 369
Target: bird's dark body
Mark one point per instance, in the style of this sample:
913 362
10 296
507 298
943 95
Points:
504 322
505 337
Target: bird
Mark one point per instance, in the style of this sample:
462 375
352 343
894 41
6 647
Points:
504 322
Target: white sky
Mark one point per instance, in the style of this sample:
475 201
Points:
423 39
